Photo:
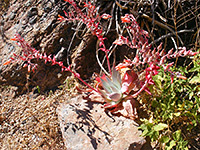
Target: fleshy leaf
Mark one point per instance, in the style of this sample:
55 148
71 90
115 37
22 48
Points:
112 85
115 96
130 81
116 78
106 86
104 95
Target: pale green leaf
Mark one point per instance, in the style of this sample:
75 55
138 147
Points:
197 68
160 126
112 86
177 135
171 145
106 86
177 114
195 79
116 78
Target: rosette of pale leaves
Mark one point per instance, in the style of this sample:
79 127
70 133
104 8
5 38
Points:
112 88
117 92
116 89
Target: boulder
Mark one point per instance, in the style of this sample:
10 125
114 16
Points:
86 126
37 22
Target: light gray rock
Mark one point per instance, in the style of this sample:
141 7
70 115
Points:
86 126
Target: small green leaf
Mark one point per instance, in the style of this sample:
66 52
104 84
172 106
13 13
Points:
177 135
158 81
142 126
171 145
154 136
177 114
38 88
195 79
154 103
145 132
164 139
194 69
191 95
160 126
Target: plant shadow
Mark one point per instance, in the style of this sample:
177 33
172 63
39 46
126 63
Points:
87 124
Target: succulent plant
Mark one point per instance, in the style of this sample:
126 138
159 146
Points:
111 88
115 89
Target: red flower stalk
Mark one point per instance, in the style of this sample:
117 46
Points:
154 58
29 53
139 37
92 20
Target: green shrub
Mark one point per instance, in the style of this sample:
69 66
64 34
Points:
174 108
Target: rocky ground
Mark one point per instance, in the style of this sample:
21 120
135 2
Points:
30 121
61 119
38 120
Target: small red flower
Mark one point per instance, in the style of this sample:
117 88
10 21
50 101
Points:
106 16
125 19
61 18
172 78
181 77
8 62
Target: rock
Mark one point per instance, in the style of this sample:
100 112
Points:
12 16
32 12
33 20
36 22
48 7
61 54
85 126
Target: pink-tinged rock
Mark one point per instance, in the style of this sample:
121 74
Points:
85 126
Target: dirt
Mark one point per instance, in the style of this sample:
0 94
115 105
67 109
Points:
30 121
